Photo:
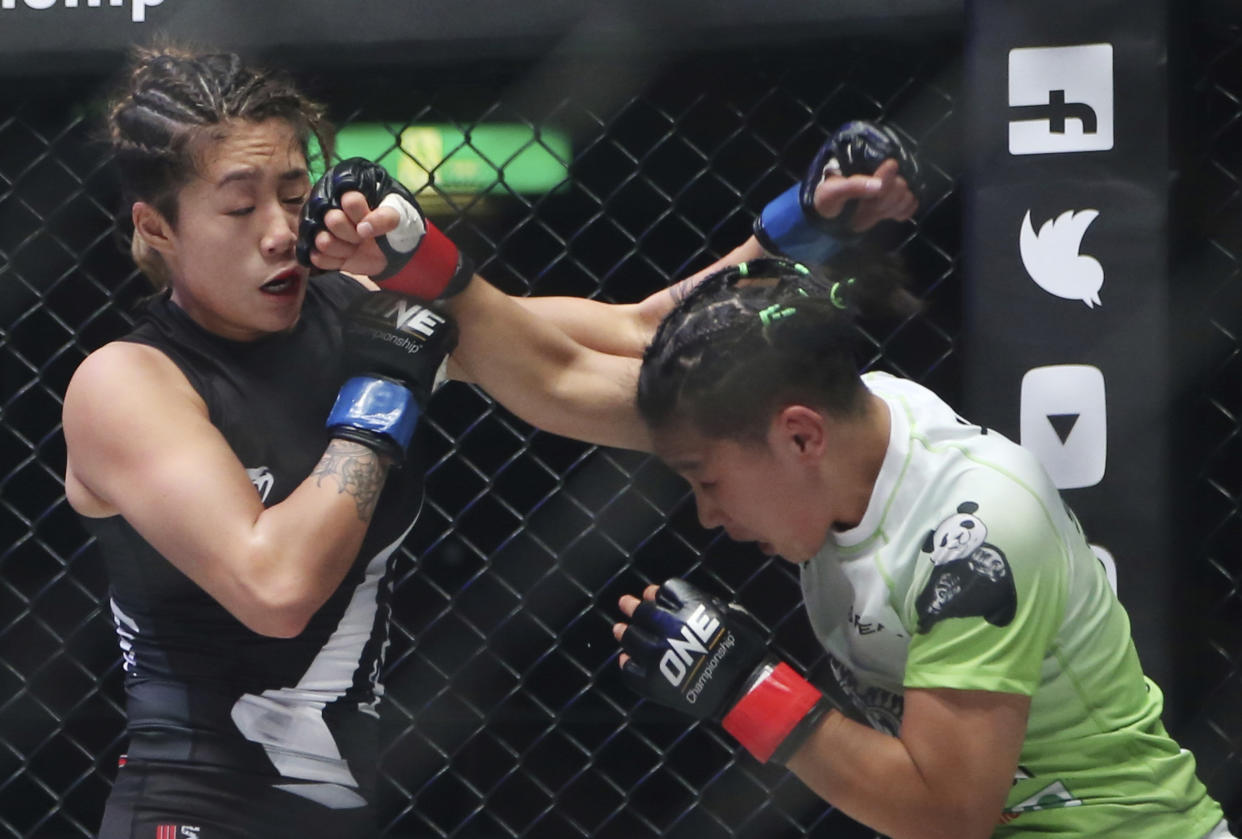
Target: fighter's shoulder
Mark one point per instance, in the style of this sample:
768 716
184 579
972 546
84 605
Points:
944 431
123 373
919 403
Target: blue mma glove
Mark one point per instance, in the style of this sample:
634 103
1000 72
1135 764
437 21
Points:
790 226
393 347
708 658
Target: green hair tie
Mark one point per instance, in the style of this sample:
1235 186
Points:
775 312
834 293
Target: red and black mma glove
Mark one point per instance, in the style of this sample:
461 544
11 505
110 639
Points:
790 226
696 653
393 346
421 261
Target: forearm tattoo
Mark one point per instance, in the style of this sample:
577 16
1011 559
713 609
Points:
357 470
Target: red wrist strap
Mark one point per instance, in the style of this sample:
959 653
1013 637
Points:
431 268
771 710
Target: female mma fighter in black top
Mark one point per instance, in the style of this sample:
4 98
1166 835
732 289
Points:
241 456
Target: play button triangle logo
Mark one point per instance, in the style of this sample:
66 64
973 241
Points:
1063 424
1064 421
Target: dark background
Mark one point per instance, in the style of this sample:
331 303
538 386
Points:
505 716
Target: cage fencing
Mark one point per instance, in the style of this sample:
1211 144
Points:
505 716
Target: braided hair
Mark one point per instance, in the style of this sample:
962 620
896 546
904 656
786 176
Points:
170 101
758 335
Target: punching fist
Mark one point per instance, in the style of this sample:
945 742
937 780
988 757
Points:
689 650
849 187
858 148
385 236
392 348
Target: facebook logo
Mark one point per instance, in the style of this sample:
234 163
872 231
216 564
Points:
1061 99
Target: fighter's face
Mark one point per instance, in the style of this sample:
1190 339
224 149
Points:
232 248
749 490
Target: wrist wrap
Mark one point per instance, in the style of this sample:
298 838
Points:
420 261
435 270
784 228
377 412
776 714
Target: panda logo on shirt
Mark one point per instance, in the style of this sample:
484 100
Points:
970 577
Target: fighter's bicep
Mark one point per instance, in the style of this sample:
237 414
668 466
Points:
966 744
139 439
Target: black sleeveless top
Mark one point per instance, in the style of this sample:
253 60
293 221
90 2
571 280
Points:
201 687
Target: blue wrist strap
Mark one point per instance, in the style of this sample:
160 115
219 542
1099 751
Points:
784 229
378 405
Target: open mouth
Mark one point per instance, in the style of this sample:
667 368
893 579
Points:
286 282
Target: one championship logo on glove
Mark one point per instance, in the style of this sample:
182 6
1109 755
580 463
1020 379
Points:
398 314
699 636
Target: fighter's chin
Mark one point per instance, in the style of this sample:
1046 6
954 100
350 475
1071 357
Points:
797 557
766 548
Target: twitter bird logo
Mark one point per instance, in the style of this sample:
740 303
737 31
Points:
1052 259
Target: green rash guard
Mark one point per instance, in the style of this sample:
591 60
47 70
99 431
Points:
968 571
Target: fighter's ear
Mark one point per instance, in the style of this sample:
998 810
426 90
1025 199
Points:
800 428
152 227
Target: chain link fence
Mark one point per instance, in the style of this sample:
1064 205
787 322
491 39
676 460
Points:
505 715
1206 247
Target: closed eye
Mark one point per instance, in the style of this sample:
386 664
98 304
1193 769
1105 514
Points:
240 211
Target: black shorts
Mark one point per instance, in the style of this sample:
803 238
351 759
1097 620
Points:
164 800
